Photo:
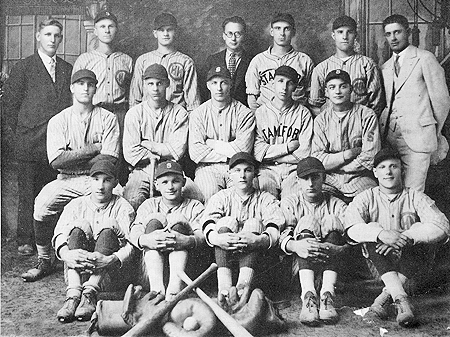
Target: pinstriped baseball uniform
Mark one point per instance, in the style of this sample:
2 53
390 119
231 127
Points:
365 76
274 130
234 124
261 72
333 135
182 75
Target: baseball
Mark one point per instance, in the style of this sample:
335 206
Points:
190 324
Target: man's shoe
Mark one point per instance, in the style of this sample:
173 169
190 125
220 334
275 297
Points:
25 250
67 313
87 305
309 314
43 268
380 306
405 316
327 312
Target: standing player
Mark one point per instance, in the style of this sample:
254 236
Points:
260 73
183 76
284 130
218 129
401 229
113 71
36 90
77 137
346 138
364 73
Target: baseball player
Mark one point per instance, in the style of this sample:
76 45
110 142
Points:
363 71
155 129
183 76
284 129
218 129
77 137
167 227
113 70
346 138
239 222
401 228
91 238
314 233
260 73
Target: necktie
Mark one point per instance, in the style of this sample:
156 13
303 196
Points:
396 65
53 69
232 64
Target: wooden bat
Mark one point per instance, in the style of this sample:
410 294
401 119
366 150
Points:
151 172
145 325
230 323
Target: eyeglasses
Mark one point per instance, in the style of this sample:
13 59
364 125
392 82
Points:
231 34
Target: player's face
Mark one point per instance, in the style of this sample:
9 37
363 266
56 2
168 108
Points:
83 90
156 88
49 39
170 186
338 91
344 38
242 175
311 186
284 87
236 31
105 30
102 186
165 35
389 175
282 33
220 88
397 36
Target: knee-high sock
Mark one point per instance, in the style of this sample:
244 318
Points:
328 282
245 276
177 262
154 264
393 284
224 279
73 283
307 281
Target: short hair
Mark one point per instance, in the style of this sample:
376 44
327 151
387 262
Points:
235 19
50 22
396 18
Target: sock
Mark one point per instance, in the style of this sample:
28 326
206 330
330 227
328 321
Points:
307 281
93 283
224 280
44 252
73 283
393 284
177 262
328 282
245 276
154 264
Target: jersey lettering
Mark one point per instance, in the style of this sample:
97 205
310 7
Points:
281 131
267 76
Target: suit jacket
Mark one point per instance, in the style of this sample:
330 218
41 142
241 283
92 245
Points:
421 102
238 90
31 98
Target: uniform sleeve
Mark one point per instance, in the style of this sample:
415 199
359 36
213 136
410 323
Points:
317 93
321 144
252 77
177 139
289 207
65 225
14 93
214 210
138 227
245 133
197 137
136 90
56 142
375 89
196 216
125 217
133 151
271 211
111 135
305 135
190 87
306 81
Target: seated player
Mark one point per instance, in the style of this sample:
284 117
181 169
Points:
284 130
401 229
166 228
91 238
240 222
346 138
314 233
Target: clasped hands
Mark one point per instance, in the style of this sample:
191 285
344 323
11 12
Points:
87 262
165 240
390 240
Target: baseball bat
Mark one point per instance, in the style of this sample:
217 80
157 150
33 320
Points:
230 323
145 325
151 171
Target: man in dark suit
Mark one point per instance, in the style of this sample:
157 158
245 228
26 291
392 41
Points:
234 57
37 89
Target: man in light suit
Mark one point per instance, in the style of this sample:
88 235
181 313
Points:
418 103
37 89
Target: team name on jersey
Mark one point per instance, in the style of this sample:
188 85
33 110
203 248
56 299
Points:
281 131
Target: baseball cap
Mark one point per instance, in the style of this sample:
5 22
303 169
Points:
288 72
105 15
167 167
104 166
384 154
344 21
242 157
156 71
83 73
218 71
308 166
285 17
164 19
338 73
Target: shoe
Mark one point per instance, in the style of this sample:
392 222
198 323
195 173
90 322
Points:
67 313
327 312
87 305
380 306
405 316
25 250
222 299
309 314
43 268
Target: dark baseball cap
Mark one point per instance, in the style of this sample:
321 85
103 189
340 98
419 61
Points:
164 19
83 73
157 71
285 17
242 157
344 21
167 167
218 71
384 154
338 73
105 15
288 72
308 166
105 167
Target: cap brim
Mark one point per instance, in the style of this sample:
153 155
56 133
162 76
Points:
310 171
